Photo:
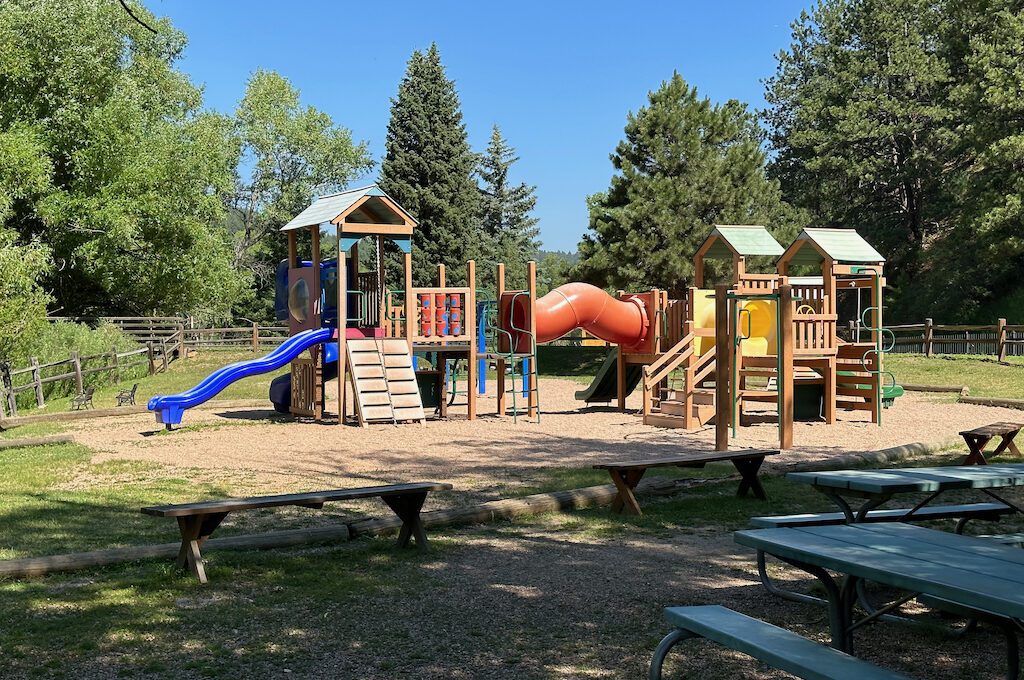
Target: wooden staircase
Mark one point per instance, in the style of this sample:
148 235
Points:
383 381
665 403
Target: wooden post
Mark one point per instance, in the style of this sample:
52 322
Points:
469 326
163 353
382 289
929 335
440 276
531 288
342 333
499 285
76 366
7 383
149 356
410 302
691 361
37 381
723 341
116 364
1001 340
317 351
255 338
785 381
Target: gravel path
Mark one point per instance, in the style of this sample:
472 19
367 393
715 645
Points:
487 457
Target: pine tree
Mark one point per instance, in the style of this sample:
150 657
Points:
684 165
428 168
508 229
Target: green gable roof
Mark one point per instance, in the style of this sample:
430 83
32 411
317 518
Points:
844 246
740 239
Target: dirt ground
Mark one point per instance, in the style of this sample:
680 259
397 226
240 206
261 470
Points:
490 455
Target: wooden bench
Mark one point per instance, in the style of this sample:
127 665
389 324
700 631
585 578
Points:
978 438
990 512
197 521
777 647
627 474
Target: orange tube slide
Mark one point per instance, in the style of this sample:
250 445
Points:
580 305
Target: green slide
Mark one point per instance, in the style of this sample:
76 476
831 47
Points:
603 388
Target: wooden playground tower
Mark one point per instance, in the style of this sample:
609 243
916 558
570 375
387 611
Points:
375 341
687 380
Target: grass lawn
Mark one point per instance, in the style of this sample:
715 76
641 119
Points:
982 375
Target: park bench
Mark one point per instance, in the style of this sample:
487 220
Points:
127 397
197 521
627 474
978 438
83 400
777 647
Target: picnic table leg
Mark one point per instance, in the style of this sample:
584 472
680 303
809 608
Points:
626 501
748 467
407 507
977 448
195 530
840 604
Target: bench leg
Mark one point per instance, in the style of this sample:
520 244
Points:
625 482
195 530
792 596
1006 443
407 507
748 467
666 644
977 450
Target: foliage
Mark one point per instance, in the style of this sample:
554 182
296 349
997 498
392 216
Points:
508 229
901 118
22 300
553 269
53 341
685 164
289 153
133 171
428 168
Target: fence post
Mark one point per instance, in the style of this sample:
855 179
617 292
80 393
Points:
929 332
37 381
255 338
163 353
76 366
7 383
181 342
850 328
149 355
1001 339
116 366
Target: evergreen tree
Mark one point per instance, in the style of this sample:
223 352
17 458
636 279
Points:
901 118
508 229
684 165
428 168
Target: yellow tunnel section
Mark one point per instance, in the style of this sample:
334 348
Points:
756 324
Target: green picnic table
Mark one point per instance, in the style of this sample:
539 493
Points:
979 575
876 487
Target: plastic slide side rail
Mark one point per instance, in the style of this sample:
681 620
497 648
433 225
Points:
169 408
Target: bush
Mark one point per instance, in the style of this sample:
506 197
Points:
55 342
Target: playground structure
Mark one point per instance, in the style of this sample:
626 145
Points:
774 336
756 338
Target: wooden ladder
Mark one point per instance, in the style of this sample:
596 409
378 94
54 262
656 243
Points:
383 381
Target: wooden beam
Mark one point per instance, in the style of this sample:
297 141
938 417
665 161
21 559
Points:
410 302
342 304
785 381
469 322
723 350
499 286
531 288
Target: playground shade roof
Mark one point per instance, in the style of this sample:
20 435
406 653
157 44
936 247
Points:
844 246
740 239
326 208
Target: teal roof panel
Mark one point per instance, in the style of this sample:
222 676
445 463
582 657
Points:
844 246
742 239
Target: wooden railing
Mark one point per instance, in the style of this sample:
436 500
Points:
253 337
753 284
73 369
814 334
143 328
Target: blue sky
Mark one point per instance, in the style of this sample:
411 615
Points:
558 77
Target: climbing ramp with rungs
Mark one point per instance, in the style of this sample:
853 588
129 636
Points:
383 381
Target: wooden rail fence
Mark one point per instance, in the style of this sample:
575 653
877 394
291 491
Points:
1000 339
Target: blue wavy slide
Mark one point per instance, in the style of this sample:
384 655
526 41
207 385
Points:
169 408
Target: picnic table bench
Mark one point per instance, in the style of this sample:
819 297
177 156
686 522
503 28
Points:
197 521
777 647
978 438
627 474
973 573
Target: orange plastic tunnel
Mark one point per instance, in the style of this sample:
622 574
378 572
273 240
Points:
580 305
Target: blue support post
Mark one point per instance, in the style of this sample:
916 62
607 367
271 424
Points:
526 382
481 347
